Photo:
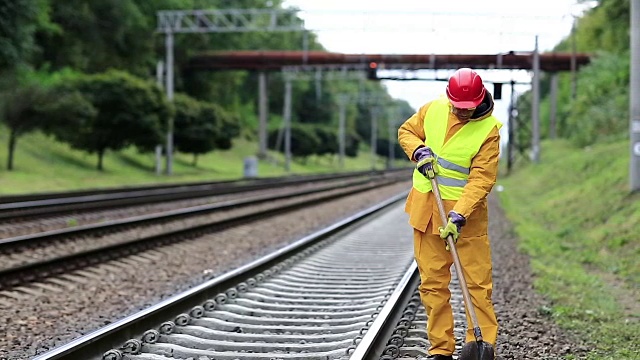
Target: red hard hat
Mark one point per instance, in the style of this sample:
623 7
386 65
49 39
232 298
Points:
465 89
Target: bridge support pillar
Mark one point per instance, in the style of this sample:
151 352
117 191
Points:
263 114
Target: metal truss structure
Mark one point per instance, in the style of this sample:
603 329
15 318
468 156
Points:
326 72
228 20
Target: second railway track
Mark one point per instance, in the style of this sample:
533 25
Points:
32 257
19 207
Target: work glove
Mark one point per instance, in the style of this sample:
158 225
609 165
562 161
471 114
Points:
453 227
426 162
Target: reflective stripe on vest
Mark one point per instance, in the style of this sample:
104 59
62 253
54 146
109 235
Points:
454 157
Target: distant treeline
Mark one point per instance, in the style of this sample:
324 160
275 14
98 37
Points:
85 73
598 110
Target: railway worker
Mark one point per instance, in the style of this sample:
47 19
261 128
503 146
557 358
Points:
461 136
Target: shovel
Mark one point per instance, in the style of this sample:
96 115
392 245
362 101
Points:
478 350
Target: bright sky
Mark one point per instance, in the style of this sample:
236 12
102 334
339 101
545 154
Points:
439 27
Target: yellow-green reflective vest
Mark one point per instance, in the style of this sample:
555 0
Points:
454 157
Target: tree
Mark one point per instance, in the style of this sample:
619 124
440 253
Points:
68 111
382 149
18 22
328 140
304 140
194 134
228 126
352 144
38 100
130 111
93 36
316 108
20 114
201 127
601 110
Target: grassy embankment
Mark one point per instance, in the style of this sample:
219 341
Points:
576 217
43 165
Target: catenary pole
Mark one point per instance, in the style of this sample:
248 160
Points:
263 114
158 150
634 100
287 125
169 79
342 102
553 111
574 66
391 155
535 106
374 136
511 131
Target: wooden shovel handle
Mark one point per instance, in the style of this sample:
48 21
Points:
456 262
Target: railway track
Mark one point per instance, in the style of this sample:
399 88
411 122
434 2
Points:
315 299
65 220
348 291
395 329
33 257
19 207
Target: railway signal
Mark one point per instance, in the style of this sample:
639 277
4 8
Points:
372 71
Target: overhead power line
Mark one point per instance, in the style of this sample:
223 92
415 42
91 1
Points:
245 20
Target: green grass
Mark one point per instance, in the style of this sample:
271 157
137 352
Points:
576 217
43 165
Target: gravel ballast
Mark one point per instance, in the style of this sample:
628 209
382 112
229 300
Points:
34 324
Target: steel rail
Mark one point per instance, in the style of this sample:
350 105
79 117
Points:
374 342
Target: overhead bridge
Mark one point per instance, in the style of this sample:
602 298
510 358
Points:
278 60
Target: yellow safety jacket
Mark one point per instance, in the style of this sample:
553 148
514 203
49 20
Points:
454 157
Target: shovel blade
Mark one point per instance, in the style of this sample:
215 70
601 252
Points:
477 350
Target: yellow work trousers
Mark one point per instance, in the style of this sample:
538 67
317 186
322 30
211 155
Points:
434 263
